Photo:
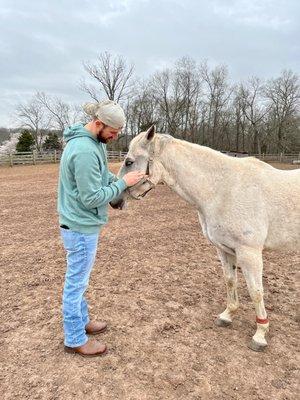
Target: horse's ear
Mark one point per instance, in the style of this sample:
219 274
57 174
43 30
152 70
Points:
150 132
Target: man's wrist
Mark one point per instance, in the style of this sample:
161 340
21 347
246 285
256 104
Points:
124 183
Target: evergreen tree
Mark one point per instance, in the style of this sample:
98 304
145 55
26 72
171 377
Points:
26 141
52 142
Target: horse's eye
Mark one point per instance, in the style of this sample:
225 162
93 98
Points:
129 162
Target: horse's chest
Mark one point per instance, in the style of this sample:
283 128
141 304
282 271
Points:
203 224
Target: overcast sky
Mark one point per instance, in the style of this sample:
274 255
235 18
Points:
43 43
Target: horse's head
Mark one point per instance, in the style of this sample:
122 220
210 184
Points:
140 157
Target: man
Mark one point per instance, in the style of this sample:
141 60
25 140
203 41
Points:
85 188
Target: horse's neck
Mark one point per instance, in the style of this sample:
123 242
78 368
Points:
191 171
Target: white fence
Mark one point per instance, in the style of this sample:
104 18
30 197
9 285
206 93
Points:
33 158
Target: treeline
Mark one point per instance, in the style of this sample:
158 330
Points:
197 103
191 101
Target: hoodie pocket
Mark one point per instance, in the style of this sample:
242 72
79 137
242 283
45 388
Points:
102 211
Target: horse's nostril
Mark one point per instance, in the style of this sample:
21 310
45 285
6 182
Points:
119 205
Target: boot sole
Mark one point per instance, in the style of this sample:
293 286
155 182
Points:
96 332
71 350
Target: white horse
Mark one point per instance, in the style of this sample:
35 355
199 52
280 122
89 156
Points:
244 205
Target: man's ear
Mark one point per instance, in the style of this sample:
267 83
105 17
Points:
150 133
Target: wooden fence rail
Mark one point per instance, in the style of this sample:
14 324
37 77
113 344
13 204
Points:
33 158
281 157
54 157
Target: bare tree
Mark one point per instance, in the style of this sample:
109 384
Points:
113 77
177 94
62 113
189 81
143 108
283 94
254 109
240 120
218 94
167 100
35 118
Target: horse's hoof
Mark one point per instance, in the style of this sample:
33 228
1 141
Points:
223 322
255 346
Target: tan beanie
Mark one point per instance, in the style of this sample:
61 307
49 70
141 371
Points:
109 112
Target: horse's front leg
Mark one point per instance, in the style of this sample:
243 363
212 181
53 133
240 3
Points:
230 275
251 263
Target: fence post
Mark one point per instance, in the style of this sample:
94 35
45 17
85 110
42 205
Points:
55 157
120 156
11 163
33 157
280 158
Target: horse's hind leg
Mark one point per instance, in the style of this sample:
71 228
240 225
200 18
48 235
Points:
230 275
251 263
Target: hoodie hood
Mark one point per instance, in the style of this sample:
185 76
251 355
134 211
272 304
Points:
75 131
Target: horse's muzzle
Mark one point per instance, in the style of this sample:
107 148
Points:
118 205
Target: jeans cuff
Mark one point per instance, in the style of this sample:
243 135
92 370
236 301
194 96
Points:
76 344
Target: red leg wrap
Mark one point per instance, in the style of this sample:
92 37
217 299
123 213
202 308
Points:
262 321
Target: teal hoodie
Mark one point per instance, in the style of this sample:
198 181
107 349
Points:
85 184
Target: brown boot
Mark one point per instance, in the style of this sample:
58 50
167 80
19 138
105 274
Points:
94 327
91 348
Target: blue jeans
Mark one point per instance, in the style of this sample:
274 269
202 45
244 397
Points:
81 251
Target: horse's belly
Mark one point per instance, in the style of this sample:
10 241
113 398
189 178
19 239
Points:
285 238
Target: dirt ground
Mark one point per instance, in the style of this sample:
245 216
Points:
159 285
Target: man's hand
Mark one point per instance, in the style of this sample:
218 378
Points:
132 178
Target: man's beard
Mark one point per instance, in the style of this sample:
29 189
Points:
100 138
